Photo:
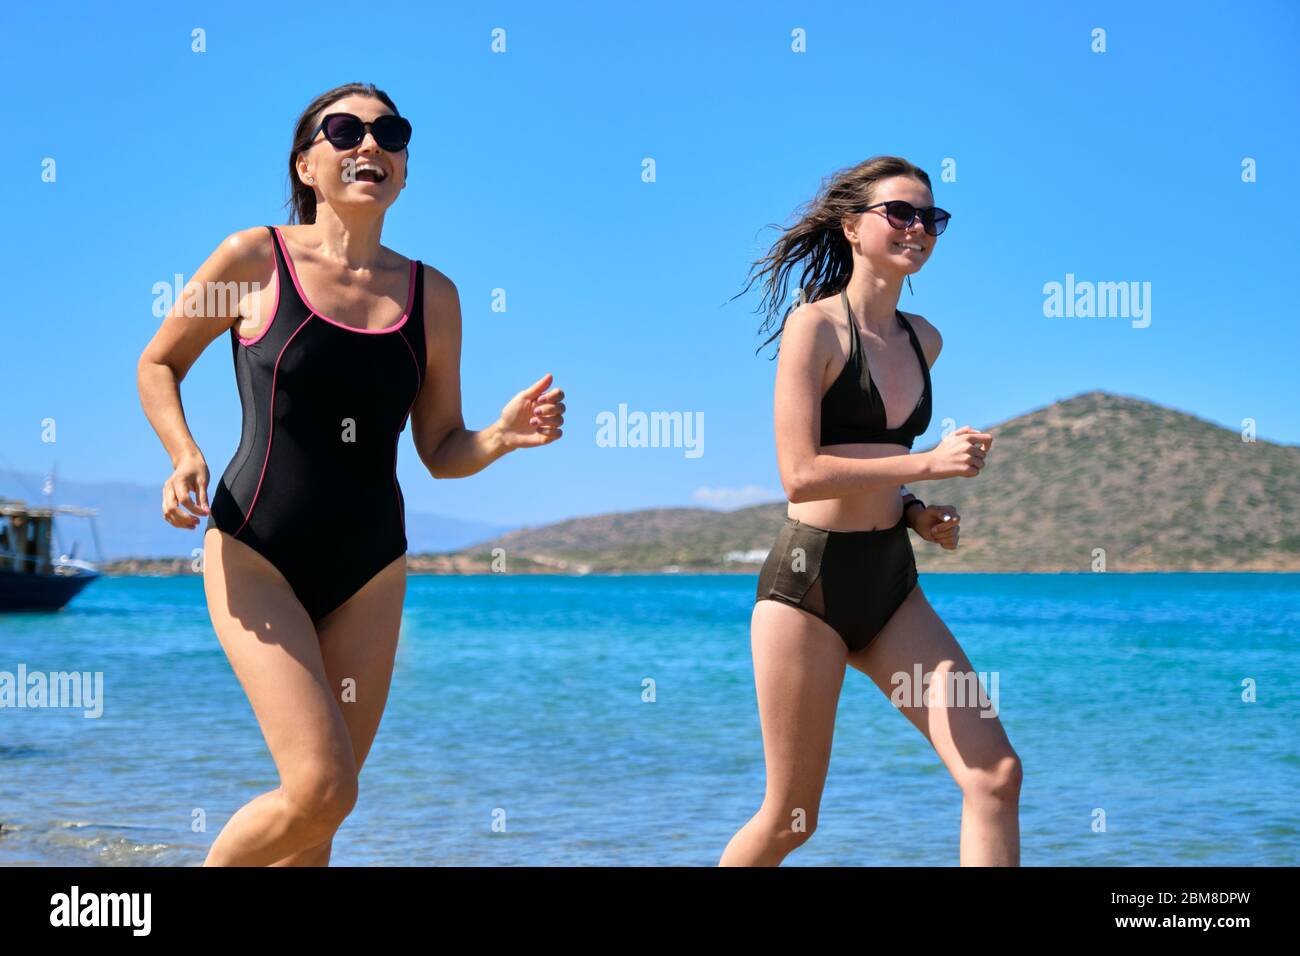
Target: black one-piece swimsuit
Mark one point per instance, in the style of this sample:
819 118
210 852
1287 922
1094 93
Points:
313 485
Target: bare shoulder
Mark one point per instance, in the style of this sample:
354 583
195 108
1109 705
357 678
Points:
441 302
812 325
926 333
249 241
245 255
437 283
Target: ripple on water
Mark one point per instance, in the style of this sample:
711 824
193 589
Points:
85 843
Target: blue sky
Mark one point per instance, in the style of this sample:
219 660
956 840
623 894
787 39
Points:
526 175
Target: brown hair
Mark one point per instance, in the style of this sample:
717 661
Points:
302 198
817 239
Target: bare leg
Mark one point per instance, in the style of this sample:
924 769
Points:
275 652
358 642
798 673
974 748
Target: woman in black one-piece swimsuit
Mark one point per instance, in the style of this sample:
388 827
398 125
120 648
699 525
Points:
305 542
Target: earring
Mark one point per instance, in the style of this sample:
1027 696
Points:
311 179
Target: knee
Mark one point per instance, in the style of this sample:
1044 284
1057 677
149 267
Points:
788 828
319 800
1000 781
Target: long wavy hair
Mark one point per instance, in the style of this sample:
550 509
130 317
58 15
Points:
302 198
817 240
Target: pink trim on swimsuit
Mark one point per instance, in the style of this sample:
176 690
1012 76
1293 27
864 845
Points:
275 269
397 440
419 372
293 274
270 437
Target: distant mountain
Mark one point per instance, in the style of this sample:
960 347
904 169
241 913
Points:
1155 488
131 526
692 539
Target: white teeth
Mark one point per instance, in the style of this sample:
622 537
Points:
908 245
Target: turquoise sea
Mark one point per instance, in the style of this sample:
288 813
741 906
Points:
525 695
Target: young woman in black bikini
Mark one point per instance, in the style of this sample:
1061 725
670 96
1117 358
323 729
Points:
839 588
305 544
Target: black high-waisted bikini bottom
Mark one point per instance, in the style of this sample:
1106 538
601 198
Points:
852 580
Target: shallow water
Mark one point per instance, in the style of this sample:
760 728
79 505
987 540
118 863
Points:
520 698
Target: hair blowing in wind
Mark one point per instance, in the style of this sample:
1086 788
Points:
817 240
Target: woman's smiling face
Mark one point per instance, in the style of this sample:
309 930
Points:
890 250
365 173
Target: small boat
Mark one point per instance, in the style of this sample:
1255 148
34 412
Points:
31 579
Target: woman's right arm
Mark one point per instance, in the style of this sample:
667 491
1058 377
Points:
808 473
242 260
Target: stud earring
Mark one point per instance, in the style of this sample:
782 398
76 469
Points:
311 179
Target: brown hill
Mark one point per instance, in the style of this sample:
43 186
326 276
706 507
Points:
1155 488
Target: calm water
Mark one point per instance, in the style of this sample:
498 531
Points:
1120 692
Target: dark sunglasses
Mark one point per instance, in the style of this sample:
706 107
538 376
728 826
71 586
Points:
902 214
344 131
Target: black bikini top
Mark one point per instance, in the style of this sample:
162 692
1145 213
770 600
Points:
852 408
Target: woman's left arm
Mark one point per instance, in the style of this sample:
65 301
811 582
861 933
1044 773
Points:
448 449
938 524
